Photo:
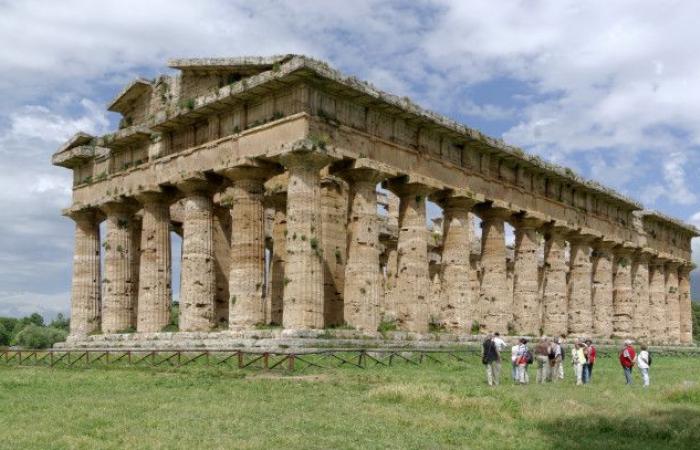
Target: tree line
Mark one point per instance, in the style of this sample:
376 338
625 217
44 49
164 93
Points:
32 332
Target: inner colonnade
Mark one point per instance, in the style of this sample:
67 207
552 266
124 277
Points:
280 225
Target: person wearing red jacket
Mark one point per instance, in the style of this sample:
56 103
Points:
590 360
627 359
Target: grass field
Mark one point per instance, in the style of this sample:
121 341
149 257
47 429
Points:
431 406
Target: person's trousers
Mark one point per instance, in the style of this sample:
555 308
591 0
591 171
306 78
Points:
493 373
542 369
587 373
523 377
578 370
645 376
628 375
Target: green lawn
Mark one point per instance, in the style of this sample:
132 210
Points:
431 406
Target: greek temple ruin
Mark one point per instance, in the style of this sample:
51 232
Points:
301 197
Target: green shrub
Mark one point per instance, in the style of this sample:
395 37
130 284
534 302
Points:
34 336
696 320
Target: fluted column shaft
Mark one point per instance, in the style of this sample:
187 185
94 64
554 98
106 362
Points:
640 288
85 288
247 266
155 273
686 315
303 292
279 256
334 243
363 280
657 301
623 300
198 284
119 286
580 307
412 279
602 292
526 295
495 304
673 319
554 314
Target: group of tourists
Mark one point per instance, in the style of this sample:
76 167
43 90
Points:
549 356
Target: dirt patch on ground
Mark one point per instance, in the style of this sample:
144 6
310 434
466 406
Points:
318 378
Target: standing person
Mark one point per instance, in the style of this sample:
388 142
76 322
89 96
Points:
524 358
514 361
627 360
542 352
590 361
643 363
492 360
578 359
557 370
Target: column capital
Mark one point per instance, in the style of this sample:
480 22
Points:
88 214
624 250
126 206
456 198
557 229
154 194
493 210
195 182
526 220
248 168
411 185
309 158
362 169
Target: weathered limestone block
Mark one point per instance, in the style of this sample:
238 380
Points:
198 281
526 290
85 288
623 300
334 239
247 264
657 301
412 280
222 263
279 256
640 287
494 303
686 316
602 292
303 291
119 286
673 319
363 280
554 304
580 307
456 251
155 294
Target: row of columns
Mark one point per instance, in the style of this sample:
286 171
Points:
601 289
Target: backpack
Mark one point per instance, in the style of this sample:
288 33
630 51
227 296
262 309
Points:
649 358
528 357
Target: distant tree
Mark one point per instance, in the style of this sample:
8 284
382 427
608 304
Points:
60 322
35 336
36 319
5 335
696 320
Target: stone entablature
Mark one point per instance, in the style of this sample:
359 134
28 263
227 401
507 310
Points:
210 138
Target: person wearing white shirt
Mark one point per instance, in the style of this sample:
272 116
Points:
643 363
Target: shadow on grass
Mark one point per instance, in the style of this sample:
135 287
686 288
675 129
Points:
673 428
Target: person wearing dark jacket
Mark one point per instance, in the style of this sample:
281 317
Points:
491 358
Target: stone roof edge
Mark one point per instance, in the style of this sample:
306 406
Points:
185 63
671 220
74 141
125 90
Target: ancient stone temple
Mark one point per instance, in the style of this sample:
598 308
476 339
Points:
300 196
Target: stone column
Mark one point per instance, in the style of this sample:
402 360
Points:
673 320
198 283
640 289
580 304
363 281
494 303
155 294
686 315
334 242
85 288
119 287
602 292
247 264
303 291
388 307
412 279
526 295
554 304
222 262
455 262
279 256
623 301
657 301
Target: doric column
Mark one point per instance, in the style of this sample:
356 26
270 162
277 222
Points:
412 282
686 315
495 305
303 291
85 288
673 319
580 307
119 287
388 306
279 256
640 290
363 281
554 304
155 294
222 260
526 295
198 283
457 306
602 292
247 263
334 242
657 301
623 300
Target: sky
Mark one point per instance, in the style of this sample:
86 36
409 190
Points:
609 89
